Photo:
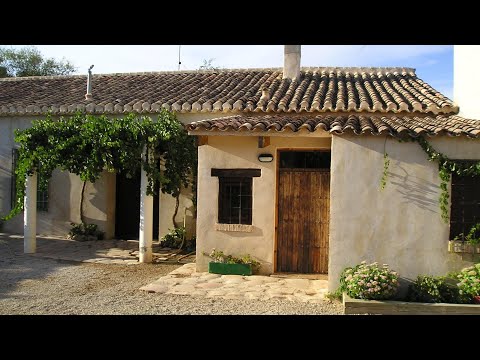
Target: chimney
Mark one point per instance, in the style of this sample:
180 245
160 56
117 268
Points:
466 78
88 95
291 61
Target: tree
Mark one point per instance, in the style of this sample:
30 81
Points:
207 65
29 61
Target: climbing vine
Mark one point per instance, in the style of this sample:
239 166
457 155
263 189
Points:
86 145
386 164
446 167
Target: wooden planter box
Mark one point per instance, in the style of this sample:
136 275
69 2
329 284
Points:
358 306
229 269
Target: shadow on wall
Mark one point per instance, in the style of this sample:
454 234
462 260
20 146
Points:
98 203
4 191
190 221
414 190
55 221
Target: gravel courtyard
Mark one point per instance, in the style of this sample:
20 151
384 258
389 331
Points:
35 285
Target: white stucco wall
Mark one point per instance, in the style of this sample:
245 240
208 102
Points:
64 191
401 225
466 78
230 152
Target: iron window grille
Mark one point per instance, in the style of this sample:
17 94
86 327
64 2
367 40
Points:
235 195
465 204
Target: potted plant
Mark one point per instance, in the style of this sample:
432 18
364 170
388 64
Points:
231 265
469 243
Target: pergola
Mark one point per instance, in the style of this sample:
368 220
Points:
145 226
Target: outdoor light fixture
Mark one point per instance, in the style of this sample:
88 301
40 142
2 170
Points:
265 157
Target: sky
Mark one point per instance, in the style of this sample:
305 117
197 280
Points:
433 63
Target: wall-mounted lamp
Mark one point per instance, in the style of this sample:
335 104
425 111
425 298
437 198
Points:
265 157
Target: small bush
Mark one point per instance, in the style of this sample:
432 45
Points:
469 284
369 281
83 231
431 289
174 240
334 296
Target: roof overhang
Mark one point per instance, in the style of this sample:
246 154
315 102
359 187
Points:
326 125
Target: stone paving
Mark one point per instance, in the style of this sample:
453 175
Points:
101 251
186 281
182 281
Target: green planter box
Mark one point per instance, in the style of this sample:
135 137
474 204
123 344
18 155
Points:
229 269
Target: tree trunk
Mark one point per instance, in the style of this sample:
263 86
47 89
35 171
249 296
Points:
177 204
82 218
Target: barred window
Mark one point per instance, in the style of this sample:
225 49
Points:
235 200
465 204
235 195
42 196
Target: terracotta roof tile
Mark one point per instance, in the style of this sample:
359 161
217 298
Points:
373 90
407 125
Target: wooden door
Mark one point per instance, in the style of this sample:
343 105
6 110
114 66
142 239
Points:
303 219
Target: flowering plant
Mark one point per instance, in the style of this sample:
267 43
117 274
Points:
220 257
470 280
369 281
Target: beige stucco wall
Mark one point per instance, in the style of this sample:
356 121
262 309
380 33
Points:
466 78
64 191
241 152
401 225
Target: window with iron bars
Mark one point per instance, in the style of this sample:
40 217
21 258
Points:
465 204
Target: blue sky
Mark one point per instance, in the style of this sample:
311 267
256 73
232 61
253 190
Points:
434 63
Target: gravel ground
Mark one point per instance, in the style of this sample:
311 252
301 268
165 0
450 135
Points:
30 285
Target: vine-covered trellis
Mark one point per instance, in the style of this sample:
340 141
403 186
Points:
86 145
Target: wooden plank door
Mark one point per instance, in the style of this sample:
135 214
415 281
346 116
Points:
303 220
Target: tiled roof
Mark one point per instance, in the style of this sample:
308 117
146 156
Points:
376 90
338 124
